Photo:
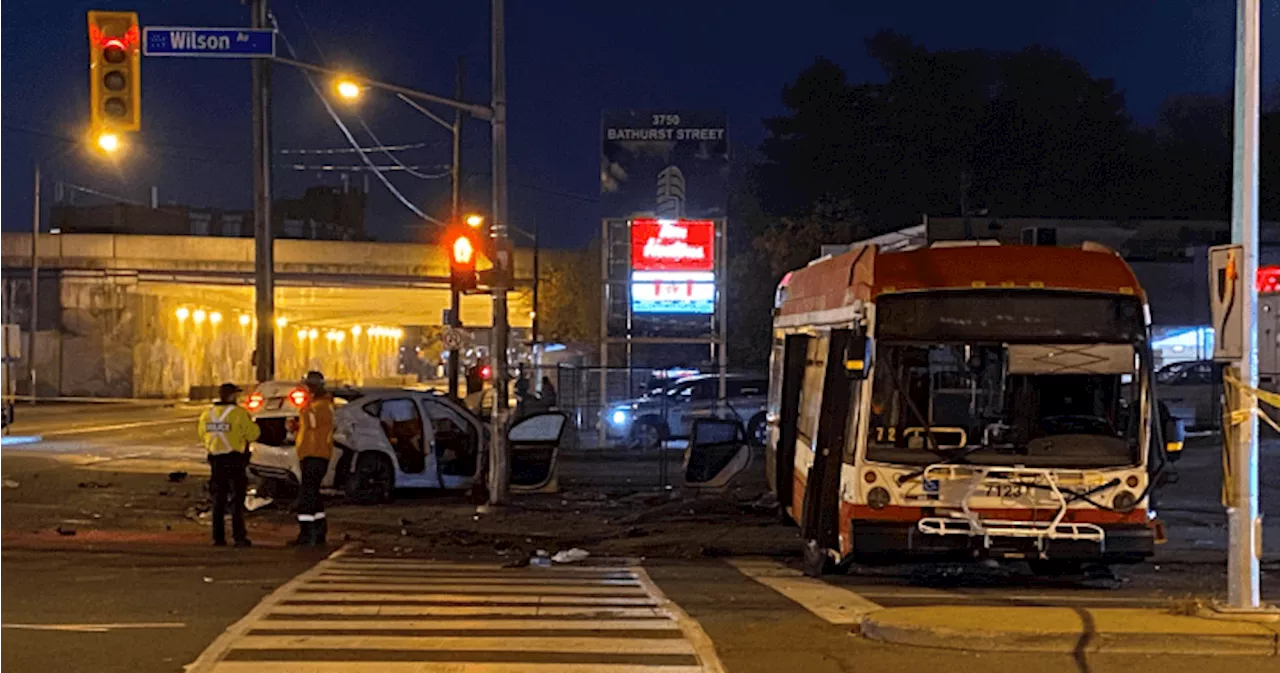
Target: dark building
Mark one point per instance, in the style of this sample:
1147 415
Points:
323 213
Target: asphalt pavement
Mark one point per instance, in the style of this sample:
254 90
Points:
106 567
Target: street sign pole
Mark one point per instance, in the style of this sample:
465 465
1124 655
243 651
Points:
264 247
1243 523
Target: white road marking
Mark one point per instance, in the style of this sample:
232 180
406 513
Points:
116 426
358 615
836 605
95 628
441 667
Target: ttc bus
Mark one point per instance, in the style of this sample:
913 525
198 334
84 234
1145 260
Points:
967 400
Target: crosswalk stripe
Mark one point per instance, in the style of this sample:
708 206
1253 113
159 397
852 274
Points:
349 615
428 610
333 578
470 590
428 625
470 644
428 566
440 667
464 599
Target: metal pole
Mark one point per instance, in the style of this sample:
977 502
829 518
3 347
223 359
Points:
605 248
536 249
1243 522
722 307
499 472
264 249
35 286
455 175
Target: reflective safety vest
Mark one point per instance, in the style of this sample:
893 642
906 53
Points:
226 428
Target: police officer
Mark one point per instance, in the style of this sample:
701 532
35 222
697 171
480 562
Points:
314 443
226 430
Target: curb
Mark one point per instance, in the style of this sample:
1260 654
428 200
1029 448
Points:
893 625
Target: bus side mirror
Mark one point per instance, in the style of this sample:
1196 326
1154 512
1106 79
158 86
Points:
1174 436
857 357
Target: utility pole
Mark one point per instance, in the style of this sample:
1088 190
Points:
35 286
499 468
1243 523
264 249
455 302
537 245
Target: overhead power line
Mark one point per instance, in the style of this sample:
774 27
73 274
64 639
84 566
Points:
350 150
351 140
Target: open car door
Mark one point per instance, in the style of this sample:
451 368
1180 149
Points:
718 451
535 444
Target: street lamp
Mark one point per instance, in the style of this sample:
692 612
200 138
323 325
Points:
347 89
475 221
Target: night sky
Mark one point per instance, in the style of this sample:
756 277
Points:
566 62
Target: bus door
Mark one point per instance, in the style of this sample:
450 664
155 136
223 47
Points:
794 358
843 365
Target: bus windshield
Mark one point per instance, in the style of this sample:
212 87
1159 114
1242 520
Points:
1068 400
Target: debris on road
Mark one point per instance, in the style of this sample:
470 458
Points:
68 531
177 477
95 484
9 483
254 503
571 555
540 559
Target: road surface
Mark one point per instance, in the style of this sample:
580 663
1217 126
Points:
106 567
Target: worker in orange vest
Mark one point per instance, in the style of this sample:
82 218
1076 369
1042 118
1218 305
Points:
314 443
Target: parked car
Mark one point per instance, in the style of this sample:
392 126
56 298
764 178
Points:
392 438
1191 391
669 414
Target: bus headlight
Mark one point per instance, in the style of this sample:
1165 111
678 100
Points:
878 498
1124 501
618 417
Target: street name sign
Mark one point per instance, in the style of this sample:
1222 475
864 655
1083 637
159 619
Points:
209 42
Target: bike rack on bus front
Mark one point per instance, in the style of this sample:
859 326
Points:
967 522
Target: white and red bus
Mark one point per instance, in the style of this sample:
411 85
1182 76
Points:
966 400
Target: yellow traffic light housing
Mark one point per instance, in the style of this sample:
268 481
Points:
115 71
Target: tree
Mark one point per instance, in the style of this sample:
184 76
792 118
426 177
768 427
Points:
569 295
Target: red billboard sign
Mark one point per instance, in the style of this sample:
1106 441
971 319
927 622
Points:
673 245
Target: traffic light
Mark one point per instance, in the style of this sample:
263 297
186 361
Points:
462 251
115 71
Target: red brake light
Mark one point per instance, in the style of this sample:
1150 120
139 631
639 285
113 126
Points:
255 401
298 397
485 372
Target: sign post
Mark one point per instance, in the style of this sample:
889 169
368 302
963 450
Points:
209 42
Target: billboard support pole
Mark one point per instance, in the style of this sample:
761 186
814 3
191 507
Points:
606 247
722 305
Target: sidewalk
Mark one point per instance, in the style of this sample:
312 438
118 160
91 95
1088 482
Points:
1069 630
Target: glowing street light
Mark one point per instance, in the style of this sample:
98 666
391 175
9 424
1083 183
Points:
355 330
313 333
215 318
347 89
199 316
244 319
475 221
282 321
183 313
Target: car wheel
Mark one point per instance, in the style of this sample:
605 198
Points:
756 429
372 480
647 433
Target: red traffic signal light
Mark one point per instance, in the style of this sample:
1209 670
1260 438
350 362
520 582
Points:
115 71
460 246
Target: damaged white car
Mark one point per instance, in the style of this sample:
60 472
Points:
386 439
